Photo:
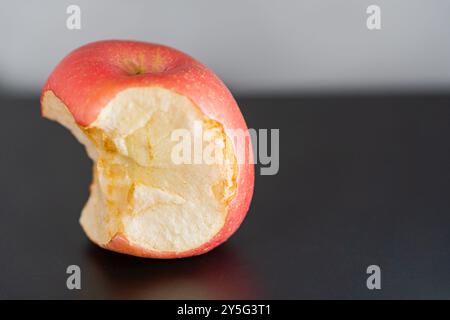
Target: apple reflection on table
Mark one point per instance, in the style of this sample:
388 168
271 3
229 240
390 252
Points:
220 274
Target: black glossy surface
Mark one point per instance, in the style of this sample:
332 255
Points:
363 180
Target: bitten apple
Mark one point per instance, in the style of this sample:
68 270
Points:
122 100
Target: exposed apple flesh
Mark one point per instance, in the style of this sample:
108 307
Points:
137 190
122 100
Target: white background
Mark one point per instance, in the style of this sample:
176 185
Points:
256 47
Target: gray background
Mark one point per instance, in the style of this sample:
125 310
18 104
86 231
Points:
257 47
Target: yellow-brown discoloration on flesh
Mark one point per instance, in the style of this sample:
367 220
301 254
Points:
100 139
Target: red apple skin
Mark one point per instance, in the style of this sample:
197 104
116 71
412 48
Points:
90 76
